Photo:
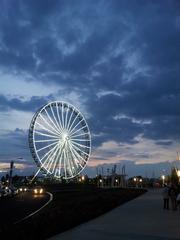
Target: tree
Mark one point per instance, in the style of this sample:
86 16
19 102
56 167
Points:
3 179
7 177
174 176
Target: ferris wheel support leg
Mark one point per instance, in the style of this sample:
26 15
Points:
35 175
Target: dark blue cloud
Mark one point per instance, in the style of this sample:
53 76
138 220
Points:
27 105
165 143
129 48
14 144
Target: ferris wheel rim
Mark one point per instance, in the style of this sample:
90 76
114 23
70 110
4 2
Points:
76 145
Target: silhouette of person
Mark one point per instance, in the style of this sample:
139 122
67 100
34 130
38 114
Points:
165 194
173 196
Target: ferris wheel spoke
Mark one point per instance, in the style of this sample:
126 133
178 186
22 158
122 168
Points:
82 134
60 162
67 158
80 150
62 115
73 122
55 157
49 140
69 121
67 111
71 165
73 148
65 173
76 158
60 124
71 131
75 165
48 162
44 134
48 124
73 157
49 157
40 149
79 156
51 121
55 119
47 154
80 145
65 164
72 134
59 154
51 160
80 140
55 161
61 149
46 129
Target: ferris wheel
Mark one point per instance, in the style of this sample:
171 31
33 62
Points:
60 140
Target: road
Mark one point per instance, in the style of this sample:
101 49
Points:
14 209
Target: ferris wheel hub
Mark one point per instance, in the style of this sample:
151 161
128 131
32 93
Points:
65 136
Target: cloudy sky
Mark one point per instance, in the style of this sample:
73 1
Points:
117 61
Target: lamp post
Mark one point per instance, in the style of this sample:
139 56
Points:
163 179
100 182
178 173
135 180
140 180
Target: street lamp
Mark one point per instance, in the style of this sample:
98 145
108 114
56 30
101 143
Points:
135 180
100 183
178 173
163 178
140 181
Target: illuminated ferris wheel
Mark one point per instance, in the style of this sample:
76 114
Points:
60 140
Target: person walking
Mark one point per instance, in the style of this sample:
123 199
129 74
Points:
173 196
165 194
178 200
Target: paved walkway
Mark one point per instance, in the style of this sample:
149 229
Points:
140 219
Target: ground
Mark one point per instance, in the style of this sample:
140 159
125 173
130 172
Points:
69 208
141 219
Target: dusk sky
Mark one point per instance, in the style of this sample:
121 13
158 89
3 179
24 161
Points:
117 61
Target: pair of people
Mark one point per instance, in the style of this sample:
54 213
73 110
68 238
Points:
170 193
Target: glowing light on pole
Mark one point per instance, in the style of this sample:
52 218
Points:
163 178
178 173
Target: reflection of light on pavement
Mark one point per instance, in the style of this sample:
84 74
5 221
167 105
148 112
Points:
38 196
